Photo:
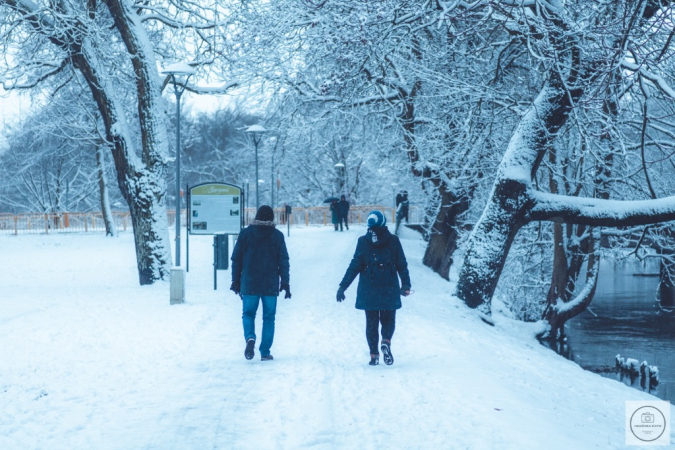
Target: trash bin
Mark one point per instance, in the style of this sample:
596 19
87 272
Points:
221 253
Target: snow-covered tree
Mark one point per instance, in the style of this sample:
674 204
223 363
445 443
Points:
114 47
579 61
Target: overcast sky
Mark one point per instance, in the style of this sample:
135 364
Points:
14 107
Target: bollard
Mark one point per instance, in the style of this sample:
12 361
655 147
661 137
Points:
177 285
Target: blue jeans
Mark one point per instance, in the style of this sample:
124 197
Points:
250 307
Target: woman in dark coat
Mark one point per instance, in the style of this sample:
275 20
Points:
379 261
335 213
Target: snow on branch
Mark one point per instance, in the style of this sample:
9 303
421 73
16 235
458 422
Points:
168 21
222 89
654 78
599 212
312 94
57 69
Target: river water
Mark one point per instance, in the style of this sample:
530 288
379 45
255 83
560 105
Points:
623 319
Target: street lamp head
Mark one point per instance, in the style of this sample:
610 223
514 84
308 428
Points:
256 129
178 69
339 165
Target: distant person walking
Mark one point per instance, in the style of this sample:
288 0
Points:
259 262
335 213
402 207
343 209
379 261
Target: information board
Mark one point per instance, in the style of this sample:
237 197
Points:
215 208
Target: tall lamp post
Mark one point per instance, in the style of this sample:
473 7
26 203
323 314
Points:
273 140
178 70
256 132
248 191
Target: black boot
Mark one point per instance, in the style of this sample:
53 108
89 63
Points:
386 352
374 360
249 353
266 358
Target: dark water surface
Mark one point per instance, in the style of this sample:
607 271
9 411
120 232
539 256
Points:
624 319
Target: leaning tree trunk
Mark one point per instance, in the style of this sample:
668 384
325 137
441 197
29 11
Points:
509 204
489 244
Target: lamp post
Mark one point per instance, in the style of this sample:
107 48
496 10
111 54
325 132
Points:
178 70
256 132
341 167
248 191
273 140
393 192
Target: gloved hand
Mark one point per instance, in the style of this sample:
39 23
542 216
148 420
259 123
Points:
340 294
235 287
287 288
405 291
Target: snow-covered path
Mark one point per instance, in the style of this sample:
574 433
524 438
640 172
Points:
91 360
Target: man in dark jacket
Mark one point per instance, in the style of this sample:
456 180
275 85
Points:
259 261
379 261
402 206
343 209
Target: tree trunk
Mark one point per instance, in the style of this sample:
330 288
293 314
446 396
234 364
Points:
667 274
141 177
143 186
556 315
110 229
490 243
444 235
666 286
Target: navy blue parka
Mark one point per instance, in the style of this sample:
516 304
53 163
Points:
379 264
260 260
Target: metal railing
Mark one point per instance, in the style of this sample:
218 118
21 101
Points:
81 222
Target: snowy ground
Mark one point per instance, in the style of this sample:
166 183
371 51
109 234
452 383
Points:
91 360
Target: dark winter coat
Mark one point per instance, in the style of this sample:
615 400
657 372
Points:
343 207
335 212
402 210
260 260
379 266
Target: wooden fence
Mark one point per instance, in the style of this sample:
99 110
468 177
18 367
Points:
79 222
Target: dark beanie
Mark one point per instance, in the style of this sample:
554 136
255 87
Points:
265 214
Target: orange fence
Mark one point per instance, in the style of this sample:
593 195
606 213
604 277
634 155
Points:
58 223
69 222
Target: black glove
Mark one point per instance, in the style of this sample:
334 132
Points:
405 291
287 288
340 295
236 288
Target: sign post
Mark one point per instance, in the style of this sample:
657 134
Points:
215 208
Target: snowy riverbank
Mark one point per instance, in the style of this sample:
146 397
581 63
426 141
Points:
91 360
